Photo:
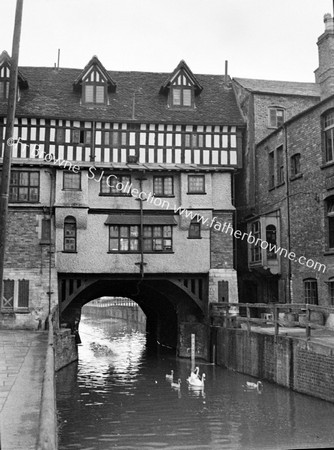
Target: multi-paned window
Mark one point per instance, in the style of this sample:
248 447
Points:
24 186
80 136
194 231
330 221
311 291
194 140
126 238
163 186
70 234
295 164
94 93
271 238
4 89
196 184
280 165
331 291
72 181
275 117
255 249
115 185
329 136
182 96
271 158
15 296
276 167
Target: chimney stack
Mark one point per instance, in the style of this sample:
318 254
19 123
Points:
324 75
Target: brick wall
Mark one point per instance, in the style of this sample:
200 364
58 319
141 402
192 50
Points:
304 367
221 243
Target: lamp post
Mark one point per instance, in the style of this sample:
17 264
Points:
6 166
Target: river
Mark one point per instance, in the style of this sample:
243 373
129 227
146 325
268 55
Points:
117 397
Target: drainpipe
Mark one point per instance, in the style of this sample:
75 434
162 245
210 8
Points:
50 237
288 209
142 264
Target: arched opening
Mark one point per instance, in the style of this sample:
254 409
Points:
165 303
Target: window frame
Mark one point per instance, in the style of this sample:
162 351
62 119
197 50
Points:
72 175
309 291
328 132
70 220
112 191
255 251
150 236
280 174
196 192
295 165
330 222
94 85
195 229
276 123
19 186
163 192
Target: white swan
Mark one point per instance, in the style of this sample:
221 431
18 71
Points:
169 377
251 385
198 382
176 385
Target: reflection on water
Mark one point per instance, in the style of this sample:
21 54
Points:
117 396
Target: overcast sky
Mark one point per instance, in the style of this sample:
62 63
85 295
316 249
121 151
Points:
266 39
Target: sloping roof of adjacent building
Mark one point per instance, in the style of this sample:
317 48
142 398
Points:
279 87
137 97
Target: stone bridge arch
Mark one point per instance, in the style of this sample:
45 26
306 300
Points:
175 306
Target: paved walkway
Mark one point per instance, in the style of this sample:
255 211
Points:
22 362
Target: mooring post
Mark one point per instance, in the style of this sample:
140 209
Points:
192 352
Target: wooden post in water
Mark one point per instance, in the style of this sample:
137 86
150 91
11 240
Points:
192 349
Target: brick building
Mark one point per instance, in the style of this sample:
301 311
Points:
101 161
285 190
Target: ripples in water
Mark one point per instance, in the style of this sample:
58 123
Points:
118 397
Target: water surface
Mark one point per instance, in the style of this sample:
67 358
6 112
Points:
117 397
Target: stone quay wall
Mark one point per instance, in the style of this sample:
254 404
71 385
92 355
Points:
302 366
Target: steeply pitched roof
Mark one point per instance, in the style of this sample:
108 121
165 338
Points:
182 66
51 94
96 62
6 59
279 87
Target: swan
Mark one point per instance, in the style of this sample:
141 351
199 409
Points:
251 385
176 385
169 377
196 381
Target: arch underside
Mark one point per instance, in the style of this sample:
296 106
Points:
187 295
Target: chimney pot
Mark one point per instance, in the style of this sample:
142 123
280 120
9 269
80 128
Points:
329 25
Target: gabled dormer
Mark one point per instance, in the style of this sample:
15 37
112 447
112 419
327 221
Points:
181 87
5 64
94 83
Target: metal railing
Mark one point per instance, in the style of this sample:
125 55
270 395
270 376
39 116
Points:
229 313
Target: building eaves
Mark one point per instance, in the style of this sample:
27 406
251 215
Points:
137 99
274 87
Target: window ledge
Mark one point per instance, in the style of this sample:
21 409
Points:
329 252
196 193
163 196
189 237
69 253
22 311
145 253
115 195
296 177
327 164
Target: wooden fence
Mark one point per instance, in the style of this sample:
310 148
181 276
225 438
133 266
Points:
309 315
